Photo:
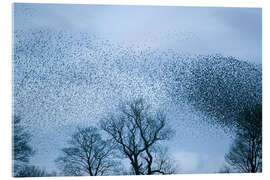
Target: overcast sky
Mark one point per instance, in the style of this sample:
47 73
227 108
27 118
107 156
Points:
231 31
198 147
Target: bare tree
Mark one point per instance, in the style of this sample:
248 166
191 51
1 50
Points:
246 152
22 151
88 154
163 162
137 131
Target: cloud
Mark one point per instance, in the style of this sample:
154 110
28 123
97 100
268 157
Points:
231 31
195 162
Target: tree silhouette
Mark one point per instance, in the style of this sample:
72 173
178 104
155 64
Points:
33 171
137 132
22 151
246 151
88 154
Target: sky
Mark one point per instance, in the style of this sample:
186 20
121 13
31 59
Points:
87 78
230 31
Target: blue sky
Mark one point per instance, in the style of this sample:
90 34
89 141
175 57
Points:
52 107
